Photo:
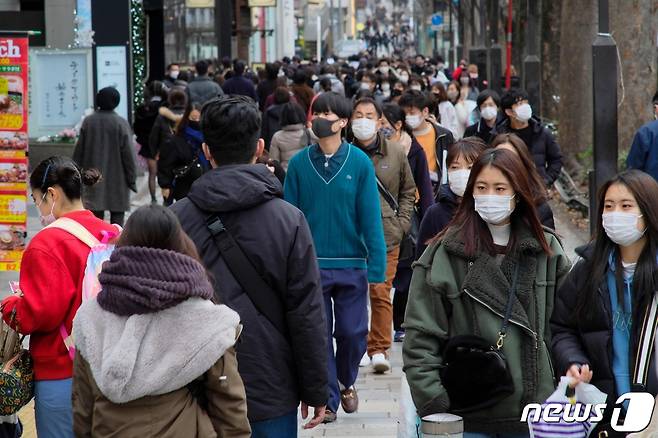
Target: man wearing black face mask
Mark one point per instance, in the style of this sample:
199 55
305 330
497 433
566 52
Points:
333 183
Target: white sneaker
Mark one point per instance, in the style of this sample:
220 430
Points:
365 361
380 364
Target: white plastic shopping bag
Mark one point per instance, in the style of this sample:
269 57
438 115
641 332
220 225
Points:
408 421
580 410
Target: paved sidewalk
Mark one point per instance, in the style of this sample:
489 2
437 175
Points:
378 405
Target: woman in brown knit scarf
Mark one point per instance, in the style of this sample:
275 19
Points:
154 354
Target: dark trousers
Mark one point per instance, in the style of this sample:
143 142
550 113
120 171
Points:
279 427
116 217
401 285
346 304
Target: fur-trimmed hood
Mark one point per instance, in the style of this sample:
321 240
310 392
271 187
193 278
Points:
174 114
156 353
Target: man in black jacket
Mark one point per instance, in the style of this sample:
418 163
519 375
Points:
540 141
278 369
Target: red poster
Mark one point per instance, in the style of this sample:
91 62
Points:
13 148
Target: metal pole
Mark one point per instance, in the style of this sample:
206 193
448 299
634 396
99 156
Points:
318 46
604 84
508 70
495 51
223 27
532 64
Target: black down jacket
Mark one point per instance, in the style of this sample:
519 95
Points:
277 372
579 342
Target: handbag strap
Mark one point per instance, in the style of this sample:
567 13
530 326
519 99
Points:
266 300
508 309
388 197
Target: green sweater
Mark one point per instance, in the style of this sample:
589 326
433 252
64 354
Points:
339 197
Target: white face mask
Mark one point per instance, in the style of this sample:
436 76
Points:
621 228
404 78
48 219
174 74
523 112
413 121
365 86
416 87
386 86
364 129
458 179
489 113
384 69
494 209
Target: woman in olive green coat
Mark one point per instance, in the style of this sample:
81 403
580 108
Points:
461 286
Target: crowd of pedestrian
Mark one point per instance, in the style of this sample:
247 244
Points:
299 196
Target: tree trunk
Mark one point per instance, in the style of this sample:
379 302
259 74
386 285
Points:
578 29
633 25
550 57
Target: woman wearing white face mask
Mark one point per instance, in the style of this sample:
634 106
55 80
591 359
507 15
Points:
488 102
460 159
481 295
52 269
605 312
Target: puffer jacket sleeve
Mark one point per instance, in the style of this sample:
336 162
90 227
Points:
82 397
426 326
306 315
227 400
566 346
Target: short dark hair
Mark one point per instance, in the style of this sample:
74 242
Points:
272 70
369 101
239 67
300 77
414 99
292 114
512 97
281 95
64 173
393 113
333 102
172 64
655 98
231 128
469 147
201 68
486 94
177 97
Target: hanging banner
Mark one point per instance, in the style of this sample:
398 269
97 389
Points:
13 150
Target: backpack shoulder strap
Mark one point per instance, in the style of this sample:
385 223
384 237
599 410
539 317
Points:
74 228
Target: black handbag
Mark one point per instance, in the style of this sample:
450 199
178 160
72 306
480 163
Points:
475 374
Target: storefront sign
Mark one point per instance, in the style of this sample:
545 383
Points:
13 150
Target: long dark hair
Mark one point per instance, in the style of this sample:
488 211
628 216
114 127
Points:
538 185
645 190
154 226
185 120
468 224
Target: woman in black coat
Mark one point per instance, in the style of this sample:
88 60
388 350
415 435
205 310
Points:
460 159
182 160
604 313
514 143
155 96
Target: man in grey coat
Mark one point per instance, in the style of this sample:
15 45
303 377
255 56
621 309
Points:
106 143
202 88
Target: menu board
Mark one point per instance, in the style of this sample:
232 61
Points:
13 150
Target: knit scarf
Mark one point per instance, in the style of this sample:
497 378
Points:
137 280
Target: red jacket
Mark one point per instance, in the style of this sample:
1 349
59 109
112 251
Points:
51 276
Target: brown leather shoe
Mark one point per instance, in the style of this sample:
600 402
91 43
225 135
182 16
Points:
329 416
349 400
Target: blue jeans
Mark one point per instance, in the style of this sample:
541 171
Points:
280 427
348 288
53 409
495 435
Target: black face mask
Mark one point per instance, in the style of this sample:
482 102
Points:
322 127
194 125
